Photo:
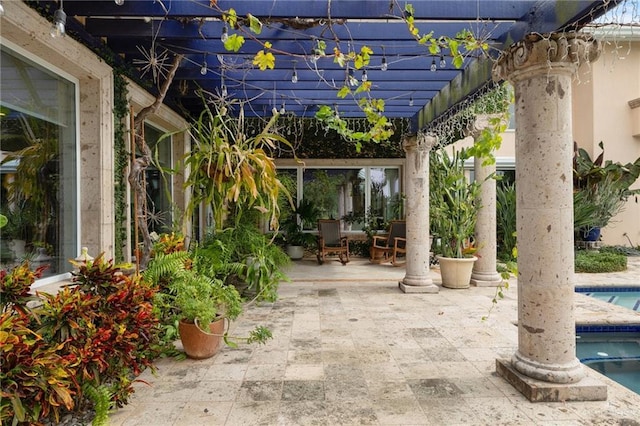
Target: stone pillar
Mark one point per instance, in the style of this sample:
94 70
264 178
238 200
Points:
484 269
417 278
541 70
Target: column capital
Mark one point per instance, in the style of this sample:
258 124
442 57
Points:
547 53
420 141
480 122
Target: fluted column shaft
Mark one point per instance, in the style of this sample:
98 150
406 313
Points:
417 278
541 70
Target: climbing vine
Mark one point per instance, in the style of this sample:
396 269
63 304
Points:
121 161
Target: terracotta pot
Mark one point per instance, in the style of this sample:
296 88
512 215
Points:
196 343
456 272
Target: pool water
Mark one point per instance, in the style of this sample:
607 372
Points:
629 297
614 354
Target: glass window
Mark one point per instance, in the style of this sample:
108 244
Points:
359 196
386 199
38 165
159 209
335 192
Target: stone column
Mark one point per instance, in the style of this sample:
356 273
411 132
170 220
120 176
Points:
484 269
417 278
541 70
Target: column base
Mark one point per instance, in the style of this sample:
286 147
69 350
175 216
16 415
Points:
486 279
587 389
412 285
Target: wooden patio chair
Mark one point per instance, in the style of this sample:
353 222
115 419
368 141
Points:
392 246
331 241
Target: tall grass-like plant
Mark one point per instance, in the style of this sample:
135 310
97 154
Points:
506 220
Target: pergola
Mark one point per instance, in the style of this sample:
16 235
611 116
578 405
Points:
540 55
413 82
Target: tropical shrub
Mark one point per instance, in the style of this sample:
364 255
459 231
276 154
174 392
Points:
589 261
95 335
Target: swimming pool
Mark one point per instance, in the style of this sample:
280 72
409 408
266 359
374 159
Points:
613 351
629 297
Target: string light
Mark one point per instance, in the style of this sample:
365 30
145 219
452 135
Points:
433 65
443 63
365 77
225 34
203 70
119 2
383 64
282 108
294 76
411 101
352 80
223 87
59 22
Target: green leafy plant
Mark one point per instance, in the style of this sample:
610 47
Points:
454 203
588 261
601 188
193 289
506 220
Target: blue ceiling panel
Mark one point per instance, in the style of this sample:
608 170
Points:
160 29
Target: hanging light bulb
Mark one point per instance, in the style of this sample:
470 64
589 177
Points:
411 101
384 66
119 2
352 80
203 70
59 22
282 109
225 34
223 90
433 65
443 63
294 76
365 77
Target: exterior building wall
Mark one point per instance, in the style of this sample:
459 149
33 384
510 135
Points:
601 112
26 29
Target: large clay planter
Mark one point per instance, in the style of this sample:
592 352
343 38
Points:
196 343
456 272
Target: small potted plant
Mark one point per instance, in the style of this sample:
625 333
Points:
202 303
295 238
454 209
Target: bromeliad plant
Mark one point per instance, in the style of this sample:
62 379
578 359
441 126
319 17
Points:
229 171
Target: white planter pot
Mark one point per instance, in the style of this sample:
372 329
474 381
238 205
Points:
295 252
455 272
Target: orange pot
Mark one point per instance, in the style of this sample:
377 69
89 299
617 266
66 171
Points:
198 344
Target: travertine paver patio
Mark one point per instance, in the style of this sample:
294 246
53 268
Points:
350 348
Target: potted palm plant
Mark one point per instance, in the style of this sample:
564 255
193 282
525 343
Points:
454 208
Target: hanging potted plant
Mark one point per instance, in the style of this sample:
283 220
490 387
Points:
454 209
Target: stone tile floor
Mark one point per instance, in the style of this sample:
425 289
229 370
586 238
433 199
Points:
350 348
